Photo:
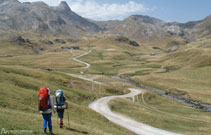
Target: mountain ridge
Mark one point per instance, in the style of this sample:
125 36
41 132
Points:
40 17
60 19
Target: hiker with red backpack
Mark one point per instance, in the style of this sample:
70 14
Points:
60 105
45 107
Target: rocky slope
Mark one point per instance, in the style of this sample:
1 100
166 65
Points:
145 27
41 17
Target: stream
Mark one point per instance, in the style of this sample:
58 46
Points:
187 101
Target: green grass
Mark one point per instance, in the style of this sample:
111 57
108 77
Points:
171 116
100 55
18 98
195 81
21 71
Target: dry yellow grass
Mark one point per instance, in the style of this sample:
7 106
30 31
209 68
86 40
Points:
189 73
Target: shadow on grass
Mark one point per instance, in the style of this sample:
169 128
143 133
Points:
75 130
41 133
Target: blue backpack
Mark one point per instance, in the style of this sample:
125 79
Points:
59 97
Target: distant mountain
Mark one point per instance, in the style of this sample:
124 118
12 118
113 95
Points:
149 28
136 26
193 28
41 17
38 16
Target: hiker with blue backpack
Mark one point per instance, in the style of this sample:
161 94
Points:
45 106
60 106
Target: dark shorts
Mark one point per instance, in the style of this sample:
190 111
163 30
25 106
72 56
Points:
60 113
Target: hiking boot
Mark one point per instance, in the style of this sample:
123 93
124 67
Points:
45 130
50 133
61 126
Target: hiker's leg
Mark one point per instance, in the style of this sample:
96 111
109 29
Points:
62 121
60 118
49 121
62 113
44 121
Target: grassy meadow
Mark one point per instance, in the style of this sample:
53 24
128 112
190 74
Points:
23 70
163 113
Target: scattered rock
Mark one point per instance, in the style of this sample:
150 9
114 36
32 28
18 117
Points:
134 43
155 47
70 48
48 69
122 39
128 41
60 41
48 42
19 40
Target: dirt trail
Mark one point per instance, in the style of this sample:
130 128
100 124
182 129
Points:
83 78
101 106
77 60
87 66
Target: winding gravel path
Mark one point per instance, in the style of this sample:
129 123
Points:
101 106
77 60
83 78
87 66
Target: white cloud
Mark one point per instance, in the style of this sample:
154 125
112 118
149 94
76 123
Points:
49 2
101 11
93 10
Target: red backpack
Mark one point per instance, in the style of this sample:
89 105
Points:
43 101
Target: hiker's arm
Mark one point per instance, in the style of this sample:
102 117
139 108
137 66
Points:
51 102
65 101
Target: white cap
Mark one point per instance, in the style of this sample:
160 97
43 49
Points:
58 95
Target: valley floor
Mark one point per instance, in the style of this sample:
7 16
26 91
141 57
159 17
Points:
25 71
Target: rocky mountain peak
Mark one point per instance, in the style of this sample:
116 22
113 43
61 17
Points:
15 15
64 6
9 1
146 19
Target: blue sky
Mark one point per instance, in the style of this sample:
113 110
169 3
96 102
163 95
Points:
167 10
179 10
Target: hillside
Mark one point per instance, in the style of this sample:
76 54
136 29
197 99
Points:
109 57
40 47
38 16
148 29
23 72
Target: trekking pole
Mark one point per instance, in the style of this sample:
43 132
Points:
68 118
57 119
56 115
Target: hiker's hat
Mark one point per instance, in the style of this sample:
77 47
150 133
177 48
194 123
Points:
58 94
